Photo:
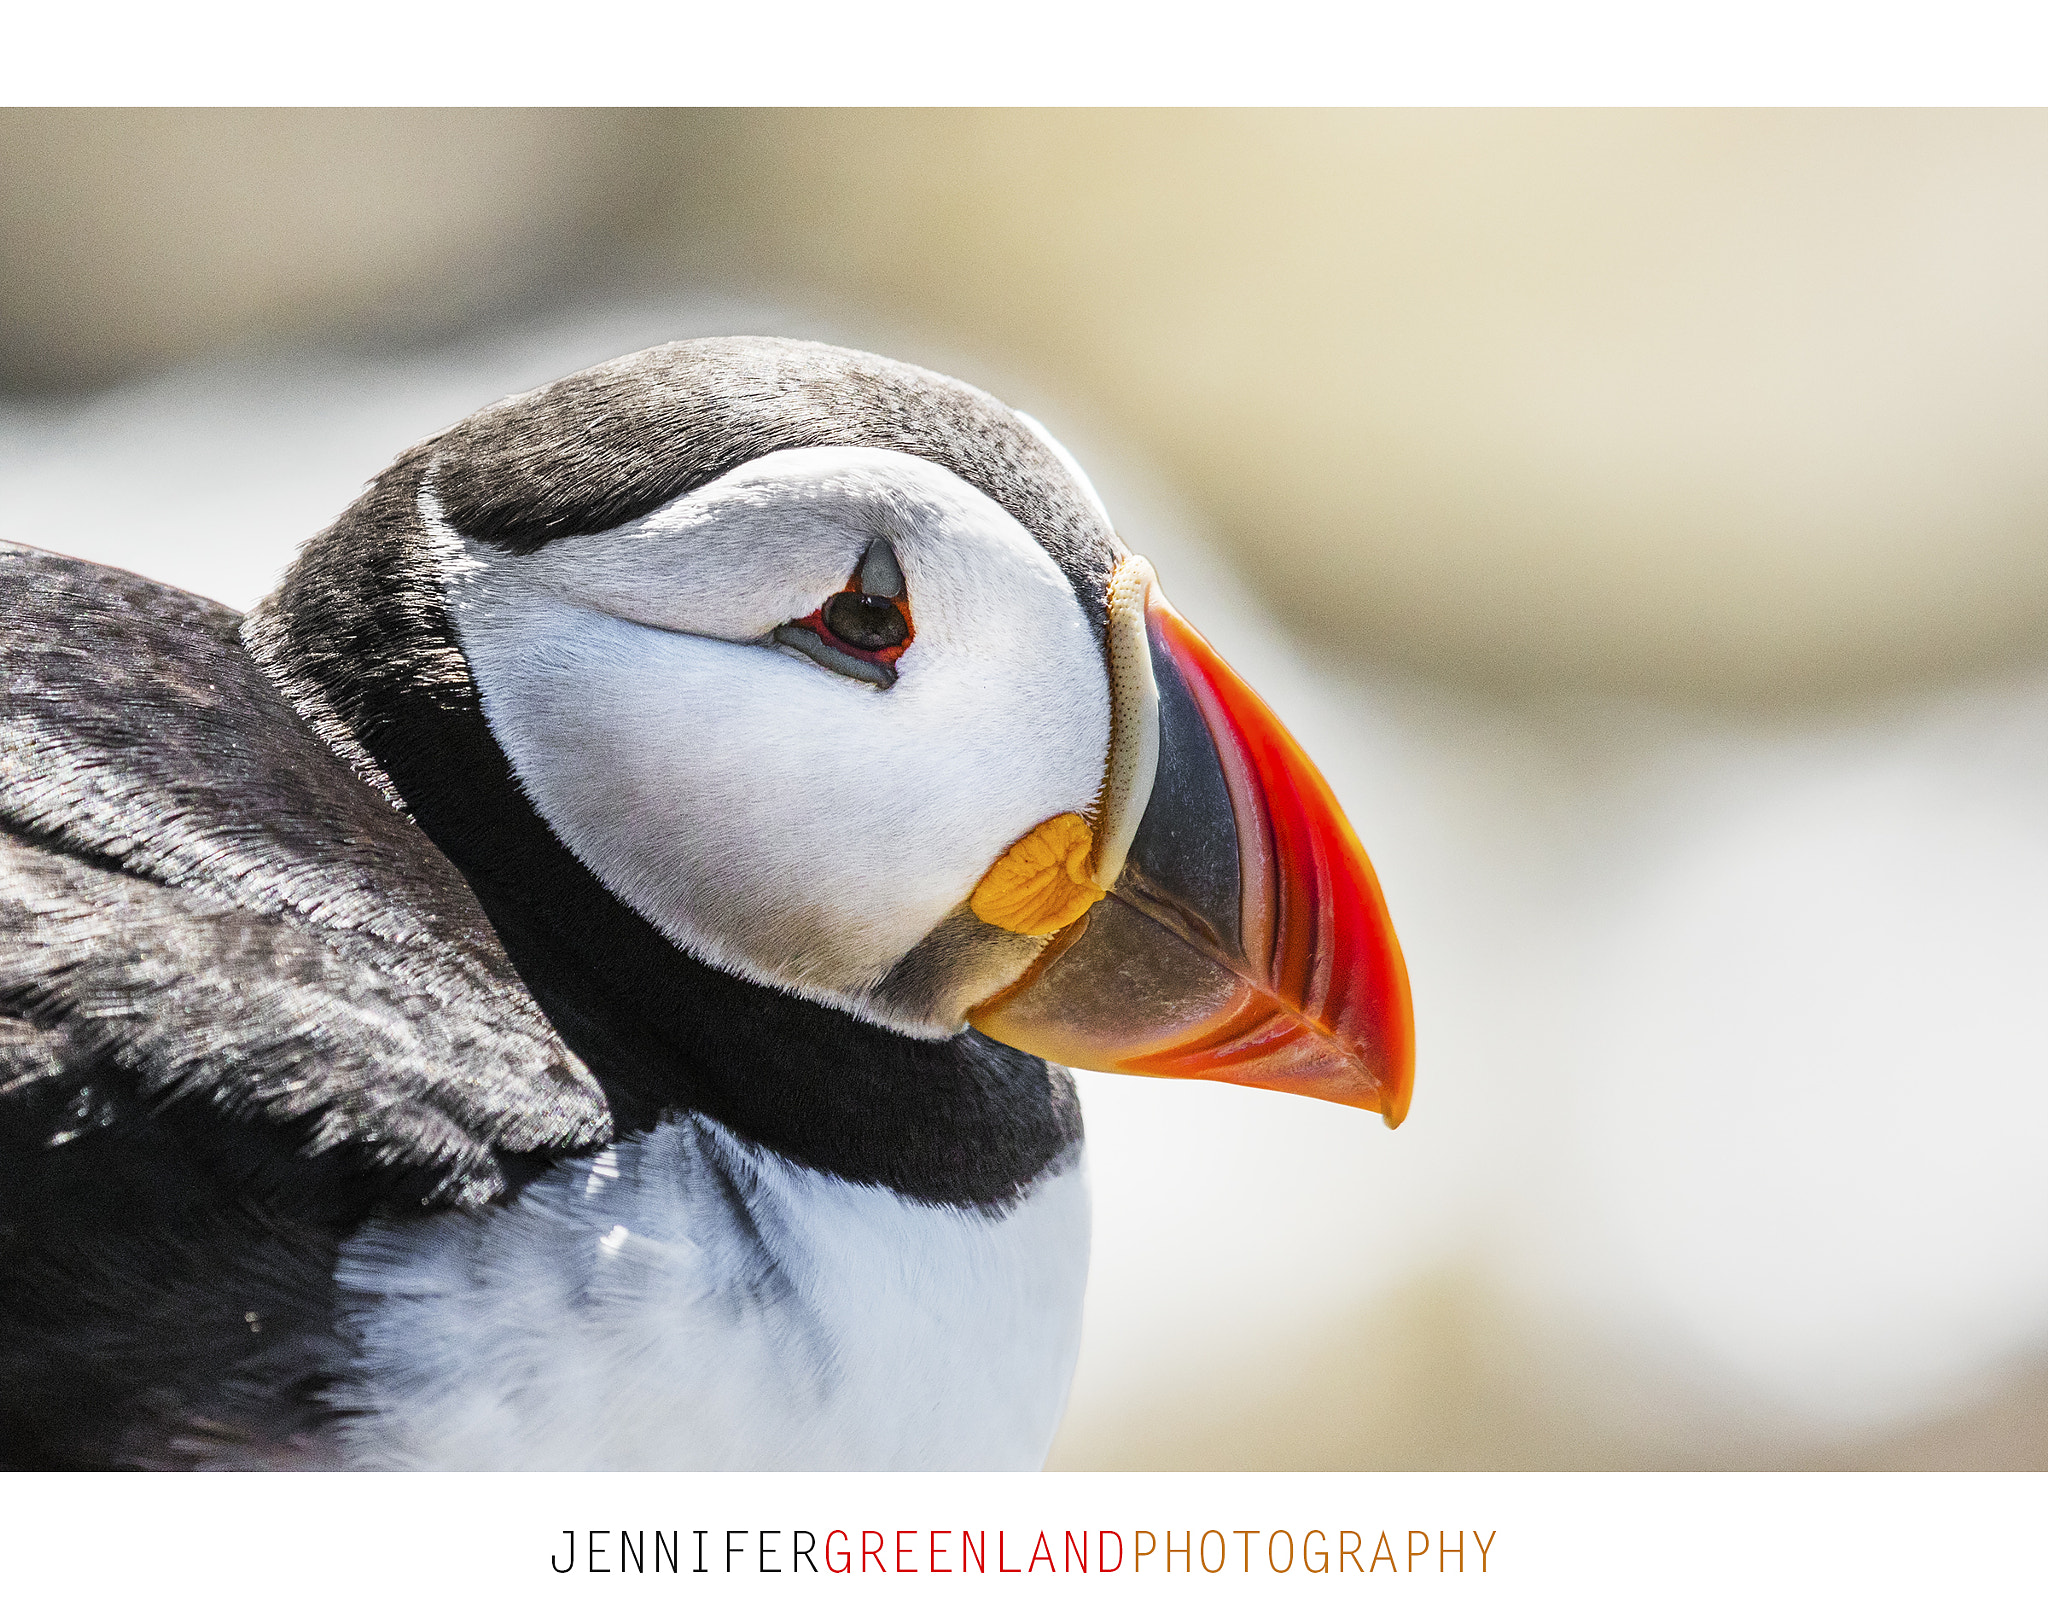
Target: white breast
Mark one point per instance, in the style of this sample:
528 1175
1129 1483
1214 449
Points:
686 1301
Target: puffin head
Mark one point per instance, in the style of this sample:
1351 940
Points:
834 673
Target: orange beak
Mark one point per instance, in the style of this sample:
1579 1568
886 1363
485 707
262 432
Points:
1246 939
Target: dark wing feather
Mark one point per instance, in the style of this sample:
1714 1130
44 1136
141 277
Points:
243 1003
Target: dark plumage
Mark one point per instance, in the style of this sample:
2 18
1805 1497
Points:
614 442
243 1002
250 996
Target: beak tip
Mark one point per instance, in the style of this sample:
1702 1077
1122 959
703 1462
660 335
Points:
1399 1089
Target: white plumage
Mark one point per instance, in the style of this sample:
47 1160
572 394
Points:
750 804
684 1300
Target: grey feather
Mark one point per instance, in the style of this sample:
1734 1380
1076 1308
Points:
194 885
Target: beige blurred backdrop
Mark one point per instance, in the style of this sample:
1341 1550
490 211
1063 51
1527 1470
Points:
1642 509
1737 406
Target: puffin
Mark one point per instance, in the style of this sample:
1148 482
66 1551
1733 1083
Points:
586 974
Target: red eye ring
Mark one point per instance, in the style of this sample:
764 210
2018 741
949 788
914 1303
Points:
855 632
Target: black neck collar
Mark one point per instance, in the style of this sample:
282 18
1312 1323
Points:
359 637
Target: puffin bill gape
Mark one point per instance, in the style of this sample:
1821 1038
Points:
580 976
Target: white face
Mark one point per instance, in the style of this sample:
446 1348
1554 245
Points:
778 819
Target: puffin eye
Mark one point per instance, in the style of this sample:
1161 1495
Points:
862 630
870 623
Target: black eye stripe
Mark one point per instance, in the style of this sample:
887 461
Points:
868 622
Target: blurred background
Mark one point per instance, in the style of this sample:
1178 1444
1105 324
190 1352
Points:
1643 517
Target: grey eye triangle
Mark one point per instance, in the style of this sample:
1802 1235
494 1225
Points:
879 574
819 651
